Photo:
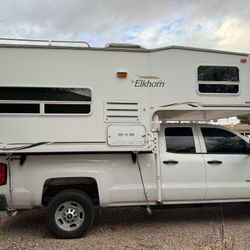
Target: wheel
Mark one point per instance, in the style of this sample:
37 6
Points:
70 214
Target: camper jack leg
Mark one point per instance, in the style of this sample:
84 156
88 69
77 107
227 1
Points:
156 151
143 185
158 178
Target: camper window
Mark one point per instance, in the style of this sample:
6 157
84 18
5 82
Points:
44 94
67 109
30 100
218 88
218 79
14 108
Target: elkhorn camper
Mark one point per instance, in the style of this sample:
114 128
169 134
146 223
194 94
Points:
85 127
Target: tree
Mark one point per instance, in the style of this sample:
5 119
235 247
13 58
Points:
244 119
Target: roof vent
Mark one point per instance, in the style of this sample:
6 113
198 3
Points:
123 46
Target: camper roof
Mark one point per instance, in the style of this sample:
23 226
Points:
55 44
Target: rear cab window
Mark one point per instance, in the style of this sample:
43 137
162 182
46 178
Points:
180 140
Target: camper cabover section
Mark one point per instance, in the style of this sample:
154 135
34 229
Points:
207 77
69 98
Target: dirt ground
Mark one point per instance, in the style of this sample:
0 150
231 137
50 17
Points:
132 228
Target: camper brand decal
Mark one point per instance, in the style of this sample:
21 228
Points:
148 83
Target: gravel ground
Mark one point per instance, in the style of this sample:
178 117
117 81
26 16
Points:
132 228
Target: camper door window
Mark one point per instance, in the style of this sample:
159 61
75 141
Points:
30 100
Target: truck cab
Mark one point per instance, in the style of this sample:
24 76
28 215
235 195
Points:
204 162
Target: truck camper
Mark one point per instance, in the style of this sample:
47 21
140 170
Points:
85 127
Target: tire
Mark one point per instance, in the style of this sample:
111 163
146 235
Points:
70 214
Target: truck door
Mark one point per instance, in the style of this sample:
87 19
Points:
183 168
227 163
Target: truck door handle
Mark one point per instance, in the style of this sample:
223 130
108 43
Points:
214 162
170 162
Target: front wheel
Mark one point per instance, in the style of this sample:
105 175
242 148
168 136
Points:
70 214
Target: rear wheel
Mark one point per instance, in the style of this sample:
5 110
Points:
70 214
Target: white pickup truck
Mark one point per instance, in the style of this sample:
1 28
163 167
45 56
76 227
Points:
199 164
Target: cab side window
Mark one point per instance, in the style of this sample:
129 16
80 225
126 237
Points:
180 140
220 141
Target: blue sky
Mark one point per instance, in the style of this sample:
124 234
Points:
213 24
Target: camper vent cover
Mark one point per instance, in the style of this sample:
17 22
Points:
122 111
123 46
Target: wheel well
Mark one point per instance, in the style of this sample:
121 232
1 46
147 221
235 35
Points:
55 185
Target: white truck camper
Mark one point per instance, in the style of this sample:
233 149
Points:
83 127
